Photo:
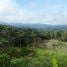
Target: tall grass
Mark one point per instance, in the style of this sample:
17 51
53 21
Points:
35 57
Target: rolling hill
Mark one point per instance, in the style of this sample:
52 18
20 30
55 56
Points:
37 26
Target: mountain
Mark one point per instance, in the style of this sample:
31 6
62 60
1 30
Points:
37 26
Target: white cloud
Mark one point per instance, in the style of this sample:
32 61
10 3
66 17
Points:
11 12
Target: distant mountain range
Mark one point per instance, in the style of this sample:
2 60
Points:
37 26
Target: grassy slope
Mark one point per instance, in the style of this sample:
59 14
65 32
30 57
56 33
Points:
44 58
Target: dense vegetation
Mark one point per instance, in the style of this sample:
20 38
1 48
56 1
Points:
32 48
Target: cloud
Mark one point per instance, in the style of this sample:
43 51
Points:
10 12
33 12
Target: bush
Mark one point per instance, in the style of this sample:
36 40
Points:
21 62
14 52
27 51
4 60
31 62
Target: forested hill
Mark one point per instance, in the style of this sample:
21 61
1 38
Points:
27 47
23 37
42 26
37 26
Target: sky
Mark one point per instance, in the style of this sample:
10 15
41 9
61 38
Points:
52 12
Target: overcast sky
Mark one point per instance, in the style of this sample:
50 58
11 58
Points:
33 11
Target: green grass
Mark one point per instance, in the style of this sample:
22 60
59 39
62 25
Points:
41 57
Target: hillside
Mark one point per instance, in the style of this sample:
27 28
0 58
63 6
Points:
37 26
26 47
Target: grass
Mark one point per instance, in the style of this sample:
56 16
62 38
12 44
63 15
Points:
41 57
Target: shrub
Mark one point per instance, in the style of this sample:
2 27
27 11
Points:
14 52
27 51
4 60
20 62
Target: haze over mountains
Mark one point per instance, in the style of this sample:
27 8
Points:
37 26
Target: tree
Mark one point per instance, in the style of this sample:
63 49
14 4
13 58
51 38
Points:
64 36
